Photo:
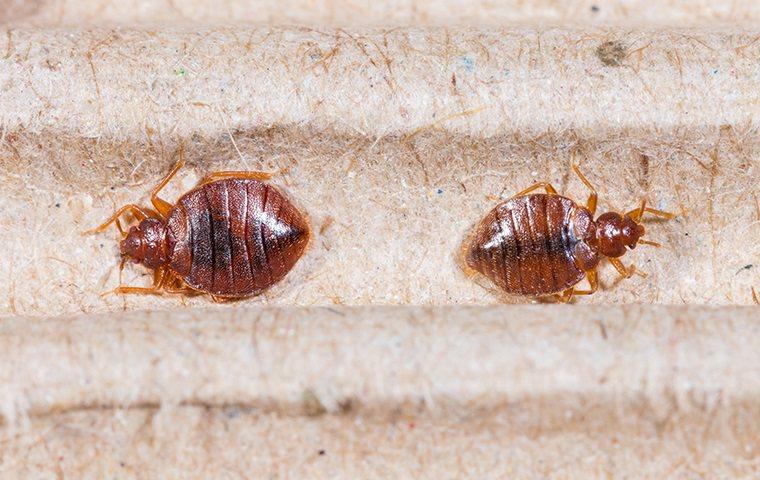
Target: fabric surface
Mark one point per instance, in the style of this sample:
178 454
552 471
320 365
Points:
393 164
531 391
395 127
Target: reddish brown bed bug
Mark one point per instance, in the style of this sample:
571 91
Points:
544 244
232 236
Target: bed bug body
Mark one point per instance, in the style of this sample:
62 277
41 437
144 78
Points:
232 236
544 243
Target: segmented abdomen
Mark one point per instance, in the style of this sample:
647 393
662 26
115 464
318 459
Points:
235 237
524 245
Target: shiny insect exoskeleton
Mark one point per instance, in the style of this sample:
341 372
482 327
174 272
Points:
544 244
232 236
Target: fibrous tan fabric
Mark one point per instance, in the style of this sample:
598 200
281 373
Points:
393 142
382 358
348 13
395 126
386 391
198 442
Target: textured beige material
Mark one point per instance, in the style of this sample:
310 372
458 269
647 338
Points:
474 389
383 357
393 142
237 443
395 12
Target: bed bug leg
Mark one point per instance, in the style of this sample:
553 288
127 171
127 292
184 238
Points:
162 206
159 277
176 285
181 290
591 202
217 299
212 177
138 212
545 185
121 290
625 272
593 282
121 230
565 296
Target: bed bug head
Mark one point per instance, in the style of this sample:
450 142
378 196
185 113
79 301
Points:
146 243
615 232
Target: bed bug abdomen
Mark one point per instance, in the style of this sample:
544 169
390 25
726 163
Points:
526 244
235 237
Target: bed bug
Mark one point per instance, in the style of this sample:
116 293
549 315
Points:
232 236
537 244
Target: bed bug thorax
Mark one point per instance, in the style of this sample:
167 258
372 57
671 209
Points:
537 244
232 236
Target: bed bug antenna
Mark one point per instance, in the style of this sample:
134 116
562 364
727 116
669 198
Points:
637 213
649 242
